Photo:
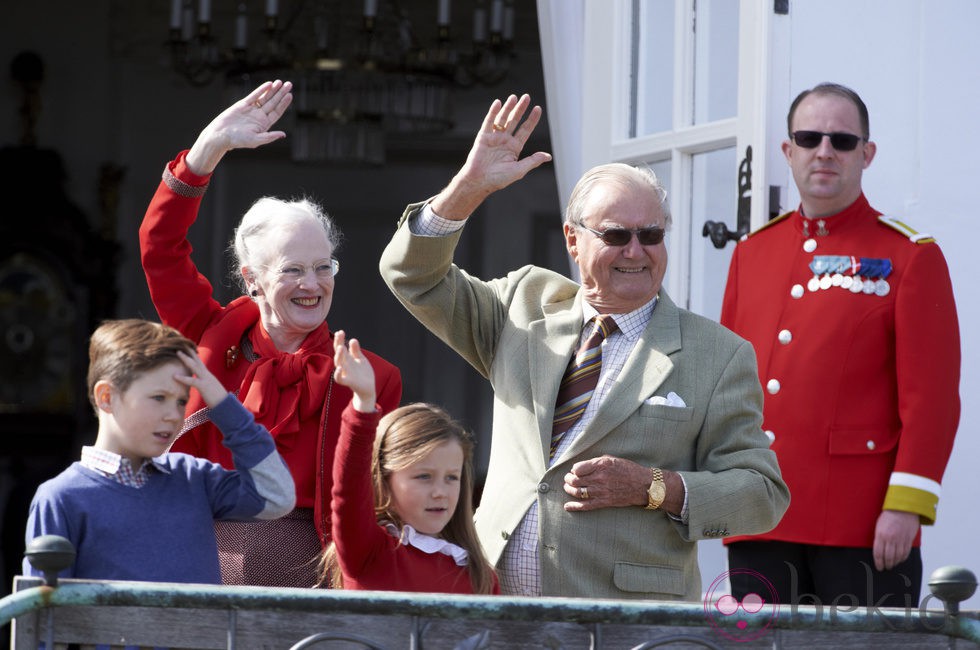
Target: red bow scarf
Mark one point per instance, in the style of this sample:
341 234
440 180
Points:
283 389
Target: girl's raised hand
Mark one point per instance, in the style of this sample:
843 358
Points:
352 369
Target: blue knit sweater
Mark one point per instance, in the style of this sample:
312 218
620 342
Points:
164 531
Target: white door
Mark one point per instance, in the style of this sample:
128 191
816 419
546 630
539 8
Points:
684 86
681 86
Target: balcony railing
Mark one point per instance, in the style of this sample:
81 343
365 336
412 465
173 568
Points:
196 616
179 616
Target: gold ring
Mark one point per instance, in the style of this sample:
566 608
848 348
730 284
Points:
584 493
257 104
499 127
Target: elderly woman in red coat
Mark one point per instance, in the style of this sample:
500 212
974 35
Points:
272 346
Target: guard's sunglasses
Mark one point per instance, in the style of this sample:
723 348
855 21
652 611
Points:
621 236
839 141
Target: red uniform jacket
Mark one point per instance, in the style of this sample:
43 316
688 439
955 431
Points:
184 299
861 389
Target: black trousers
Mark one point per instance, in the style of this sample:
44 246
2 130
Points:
806 574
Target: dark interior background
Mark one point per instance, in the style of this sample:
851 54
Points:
83 147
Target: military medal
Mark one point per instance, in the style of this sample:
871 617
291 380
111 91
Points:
881 285
820 266
853 281
841 264
875 271
869 269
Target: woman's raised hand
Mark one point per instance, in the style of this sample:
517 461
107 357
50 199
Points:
243 125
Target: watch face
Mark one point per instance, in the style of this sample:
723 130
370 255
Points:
657 492
37 324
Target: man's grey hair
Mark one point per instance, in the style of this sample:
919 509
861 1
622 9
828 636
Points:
640 179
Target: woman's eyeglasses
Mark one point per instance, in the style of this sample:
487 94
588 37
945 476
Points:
621 236
295 272
839 141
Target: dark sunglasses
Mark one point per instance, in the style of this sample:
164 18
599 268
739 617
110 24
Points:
621 236
839 141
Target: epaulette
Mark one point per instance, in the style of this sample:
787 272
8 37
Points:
771 222
914 236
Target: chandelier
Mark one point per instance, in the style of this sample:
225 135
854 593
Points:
360 70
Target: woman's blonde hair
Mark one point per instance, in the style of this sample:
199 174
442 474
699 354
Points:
404 437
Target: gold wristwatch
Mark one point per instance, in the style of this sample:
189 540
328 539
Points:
657 490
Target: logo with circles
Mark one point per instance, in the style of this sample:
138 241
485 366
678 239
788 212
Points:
753 616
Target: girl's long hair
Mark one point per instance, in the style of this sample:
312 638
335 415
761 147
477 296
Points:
404 437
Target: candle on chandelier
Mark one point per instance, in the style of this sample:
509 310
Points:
241 27
176 8
497 17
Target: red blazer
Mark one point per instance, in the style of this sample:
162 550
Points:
184 299
861 390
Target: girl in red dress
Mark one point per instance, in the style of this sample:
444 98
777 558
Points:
402 495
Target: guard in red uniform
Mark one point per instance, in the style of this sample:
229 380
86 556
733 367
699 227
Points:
853 321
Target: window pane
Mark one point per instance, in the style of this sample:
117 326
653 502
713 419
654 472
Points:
715 60
653 67
714 197
662 170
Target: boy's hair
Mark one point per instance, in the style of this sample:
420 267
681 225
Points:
122 350
405 436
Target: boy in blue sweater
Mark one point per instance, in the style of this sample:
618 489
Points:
134 511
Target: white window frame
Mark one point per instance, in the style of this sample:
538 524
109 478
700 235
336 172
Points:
605 111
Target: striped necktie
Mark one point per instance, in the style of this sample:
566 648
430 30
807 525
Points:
580 379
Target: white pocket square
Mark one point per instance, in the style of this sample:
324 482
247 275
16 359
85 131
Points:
672 399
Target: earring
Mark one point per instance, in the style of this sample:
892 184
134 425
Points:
254 293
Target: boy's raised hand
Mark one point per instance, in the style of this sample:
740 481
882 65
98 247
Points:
352 369
200 377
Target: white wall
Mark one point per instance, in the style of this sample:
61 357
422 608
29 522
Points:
914 62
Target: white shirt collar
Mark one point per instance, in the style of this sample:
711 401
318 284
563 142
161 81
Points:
109 462
631 324
427 543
